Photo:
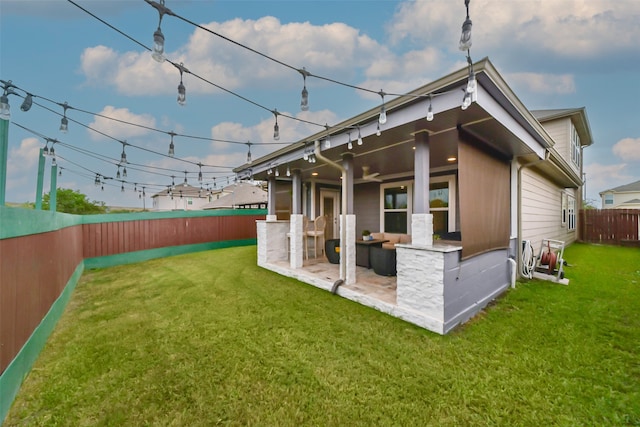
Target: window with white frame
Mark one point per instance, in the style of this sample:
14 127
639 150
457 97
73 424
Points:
571 213
608 199
442 202
396 207
575 146
564 211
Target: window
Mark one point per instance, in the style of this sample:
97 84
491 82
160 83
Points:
189 200
396 207
575 146
608 199
564 208
442 203
572 212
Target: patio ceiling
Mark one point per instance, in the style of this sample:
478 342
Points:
391 154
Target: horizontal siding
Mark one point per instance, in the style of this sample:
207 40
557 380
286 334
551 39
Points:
559 130
542 210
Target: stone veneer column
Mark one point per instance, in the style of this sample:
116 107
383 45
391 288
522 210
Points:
422 229
420 283
296 241
348 249
272 241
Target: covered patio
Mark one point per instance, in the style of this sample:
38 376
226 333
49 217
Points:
447 181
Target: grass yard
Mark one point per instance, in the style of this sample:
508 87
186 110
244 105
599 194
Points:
211 339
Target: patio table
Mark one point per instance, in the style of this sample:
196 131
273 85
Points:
363 258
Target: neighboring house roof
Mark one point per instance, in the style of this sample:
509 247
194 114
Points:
627 188
632 202
579 115
240 194
185 189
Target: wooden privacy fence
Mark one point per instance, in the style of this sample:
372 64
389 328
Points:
41 253
610 226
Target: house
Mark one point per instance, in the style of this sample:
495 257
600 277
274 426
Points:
182 197
242 195
459 175
622 197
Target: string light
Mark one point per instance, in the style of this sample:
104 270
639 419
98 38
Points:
276 128
64 123
200 172
123 156
304 101
182 91
158 37
185 177
382 119
26 104
430 111
118 174
359 136
471 83
466 100
288 170
378 133
465 37
249 153
277 171
350 144
122 188
172 151
327 141
124 172
5 108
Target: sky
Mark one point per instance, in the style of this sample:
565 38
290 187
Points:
552 53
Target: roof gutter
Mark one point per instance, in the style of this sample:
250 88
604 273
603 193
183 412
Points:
343 208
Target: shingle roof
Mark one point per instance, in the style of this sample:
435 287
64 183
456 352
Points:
547 114
186 189
634 186
243 194
632 202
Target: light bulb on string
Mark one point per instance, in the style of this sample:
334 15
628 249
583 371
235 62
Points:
118 173
466 100
158 38
304 100
430 111
288 171
465 37
185 177
349 144
171 146
64 123
382 119
182 91
378 133
359 136
123 156
200 172
276 128
327 141
249 153
28 101
5 108
124 172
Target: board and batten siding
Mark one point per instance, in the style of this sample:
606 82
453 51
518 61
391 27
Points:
560 131
366 206
542 210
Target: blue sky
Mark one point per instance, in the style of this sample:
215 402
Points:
554 54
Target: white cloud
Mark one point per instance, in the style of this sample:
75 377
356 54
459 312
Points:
117 129
602 177
544 83
568 28
627 149
334 49
21 166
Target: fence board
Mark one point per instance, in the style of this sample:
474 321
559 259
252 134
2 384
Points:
610 226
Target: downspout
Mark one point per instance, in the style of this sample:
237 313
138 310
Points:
343 225
547 154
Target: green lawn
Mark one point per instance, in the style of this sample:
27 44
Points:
209 338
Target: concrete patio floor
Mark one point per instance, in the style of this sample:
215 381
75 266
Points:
321 273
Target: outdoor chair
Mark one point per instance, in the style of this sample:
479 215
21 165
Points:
305 228
317 233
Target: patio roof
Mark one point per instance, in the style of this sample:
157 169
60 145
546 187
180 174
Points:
497 118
